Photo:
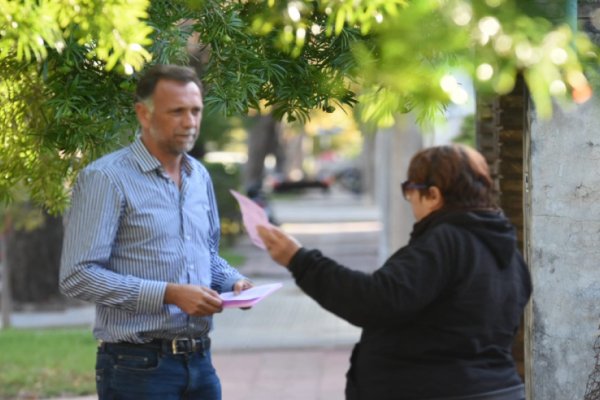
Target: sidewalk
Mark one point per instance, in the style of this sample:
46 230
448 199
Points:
286 347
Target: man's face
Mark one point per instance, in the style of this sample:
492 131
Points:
170 126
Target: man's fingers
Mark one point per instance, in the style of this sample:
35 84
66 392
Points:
211 298
210 305
242 284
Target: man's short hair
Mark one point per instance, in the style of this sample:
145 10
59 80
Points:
149 80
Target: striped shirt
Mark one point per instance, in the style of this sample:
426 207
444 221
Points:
130 230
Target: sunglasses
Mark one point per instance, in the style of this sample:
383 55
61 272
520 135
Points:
407 185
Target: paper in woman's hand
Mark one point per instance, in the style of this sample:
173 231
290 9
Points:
248 297
252 216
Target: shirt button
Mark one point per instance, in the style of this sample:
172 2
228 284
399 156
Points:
188 237
191 267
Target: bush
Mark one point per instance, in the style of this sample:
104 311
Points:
226 177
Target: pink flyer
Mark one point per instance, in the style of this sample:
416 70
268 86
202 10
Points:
252 216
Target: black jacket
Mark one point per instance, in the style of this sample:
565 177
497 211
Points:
439 317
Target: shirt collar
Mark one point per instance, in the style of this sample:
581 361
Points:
186 164
148 162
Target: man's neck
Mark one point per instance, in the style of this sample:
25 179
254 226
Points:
171 163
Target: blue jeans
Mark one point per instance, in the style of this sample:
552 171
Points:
134 372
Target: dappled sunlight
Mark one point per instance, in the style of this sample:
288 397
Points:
331 227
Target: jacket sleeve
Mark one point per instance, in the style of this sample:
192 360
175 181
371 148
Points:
391 296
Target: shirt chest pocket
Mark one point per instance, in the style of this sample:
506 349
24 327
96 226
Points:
197 222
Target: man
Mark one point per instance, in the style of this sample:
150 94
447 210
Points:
141 242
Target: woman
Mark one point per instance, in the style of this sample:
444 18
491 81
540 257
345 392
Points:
439 317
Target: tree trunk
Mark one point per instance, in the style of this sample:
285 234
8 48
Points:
263 139
500 126
5 297
34 260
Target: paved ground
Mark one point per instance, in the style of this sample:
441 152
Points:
286 347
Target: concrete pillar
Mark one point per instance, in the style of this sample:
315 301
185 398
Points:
368 157
393 149
562 240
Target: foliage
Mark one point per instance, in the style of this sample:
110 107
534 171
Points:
225 177
110 32
406 60
63 89
335 132
248 69
64 363
218 131
69 66
467 132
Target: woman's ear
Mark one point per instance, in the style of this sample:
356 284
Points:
434 198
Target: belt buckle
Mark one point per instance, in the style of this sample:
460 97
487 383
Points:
175 341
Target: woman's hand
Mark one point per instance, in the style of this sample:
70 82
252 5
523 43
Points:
281 247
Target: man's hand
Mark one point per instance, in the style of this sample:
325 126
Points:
240 285
198 301
281 247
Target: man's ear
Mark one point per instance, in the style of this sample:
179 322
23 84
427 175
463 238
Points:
143 114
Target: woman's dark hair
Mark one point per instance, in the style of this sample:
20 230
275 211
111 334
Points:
149 80
460 172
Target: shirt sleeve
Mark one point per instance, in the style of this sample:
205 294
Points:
224 276
91 227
